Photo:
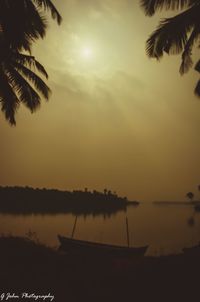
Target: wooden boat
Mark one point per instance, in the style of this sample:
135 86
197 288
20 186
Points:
95 248
99 249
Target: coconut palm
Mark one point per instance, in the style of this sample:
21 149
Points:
23 21
19 83
48 5
175 35
190 195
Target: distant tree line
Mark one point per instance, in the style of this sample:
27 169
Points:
26 200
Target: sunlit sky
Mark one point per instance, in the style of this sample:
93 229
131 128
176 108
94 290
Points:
116 119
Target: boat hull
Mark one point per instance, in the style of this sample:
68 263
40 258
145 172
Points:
94 248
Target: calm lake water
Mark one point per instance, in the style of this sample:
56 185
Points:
164 228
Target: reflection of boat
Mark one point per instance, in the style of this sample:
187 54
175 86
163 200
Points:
193 249
94 248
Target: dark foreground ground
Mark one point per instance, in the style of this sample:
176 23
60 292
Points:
29 267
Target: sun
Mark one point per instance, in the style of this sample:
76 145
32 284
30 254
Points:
86 52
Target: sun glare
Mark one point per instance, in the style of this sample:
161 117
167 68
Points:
86 52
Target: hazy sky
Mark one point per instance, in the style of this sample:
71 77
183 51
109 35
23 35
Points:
116 119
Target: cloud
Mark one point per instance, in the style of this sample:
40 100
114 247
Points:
119 84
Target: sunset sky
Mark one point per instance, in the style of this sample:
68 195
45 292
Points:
116 119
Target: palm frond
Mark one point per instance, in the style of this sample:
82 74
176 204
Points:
8 99
197 66
38 83
166 39
25 92
21 23
171 35
187 53
48 5
151 6
197 89
187 61
37 23
29 61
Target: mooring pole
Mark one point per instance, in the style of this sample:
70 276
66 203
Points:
127 232
72 235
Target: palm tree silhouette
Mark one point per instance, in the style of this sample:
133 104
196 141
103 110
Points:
19 83
23 21
190 195
175 35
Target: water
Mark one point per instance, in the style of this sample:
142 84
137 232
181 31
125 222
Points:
164 228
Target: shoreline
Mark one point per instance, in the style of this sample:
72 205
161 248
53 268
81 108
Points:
32 267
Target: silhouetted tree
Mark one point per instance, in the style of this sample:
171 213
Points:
177 34
21 23
26 200
19 84
190 195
